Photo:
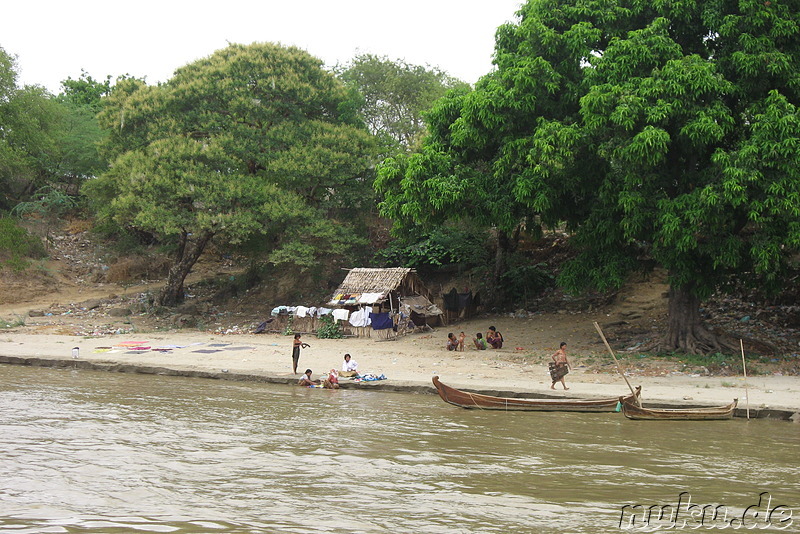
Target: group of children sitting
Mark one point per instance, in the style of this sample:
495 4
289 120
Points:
493 339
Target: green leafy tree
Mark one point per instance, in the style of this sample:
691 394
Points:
28 127
75 155
661 132
8 75
451 244
392 98
78 135
46 142
395 96
456 175
253 140
85 91
126 115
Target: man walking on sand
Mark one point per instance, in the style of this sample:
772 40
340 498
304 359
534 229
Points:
559 367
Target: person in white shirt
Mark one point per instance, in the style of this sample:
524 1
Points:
349 367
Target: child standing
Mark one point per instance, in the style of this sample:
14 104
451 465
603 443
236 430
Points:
296 346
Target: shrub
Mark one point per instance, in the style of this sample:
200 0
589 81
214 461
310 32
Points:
50 203
289 330
12 323
329 329
17 245
443 246
524 281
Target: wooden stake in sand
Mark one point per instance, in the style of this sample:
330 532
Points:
619 367
744 370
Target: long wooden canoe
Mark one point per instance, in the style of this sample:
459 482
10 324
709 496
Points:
632 411
465 399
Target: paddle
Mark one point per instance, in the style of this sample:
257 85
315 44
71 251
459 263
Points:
619 367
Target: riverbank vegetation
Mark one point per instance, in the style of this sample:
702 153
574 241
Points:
610 141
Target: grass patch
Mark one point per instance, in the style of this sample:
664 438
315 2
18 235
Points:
12 323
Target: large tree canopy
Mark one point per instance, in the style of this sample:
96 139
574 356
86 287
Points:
79 135
395 96
659 131
29 127
253 140
46 143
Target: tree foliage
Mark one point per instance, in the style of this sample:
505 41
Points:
252 140
395 95
663 131
451 178
29 119
79 136
85 91
448 245
45 141
17 245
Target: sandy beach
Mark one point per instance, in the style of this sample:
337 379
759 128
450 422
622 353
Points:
412 360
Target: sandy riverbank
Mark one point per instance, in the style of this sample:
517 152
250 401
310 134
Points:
409 362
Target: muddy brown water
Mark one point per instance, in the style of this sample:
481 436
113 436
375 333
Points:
86 451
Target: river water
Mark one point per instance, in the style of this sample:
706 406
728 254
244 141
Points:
85 451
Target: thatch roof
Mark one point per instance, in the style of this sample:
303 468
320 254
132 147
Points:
368 286
364 280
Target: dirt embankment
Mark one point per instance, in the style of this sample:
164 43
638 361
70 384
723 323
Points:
81 291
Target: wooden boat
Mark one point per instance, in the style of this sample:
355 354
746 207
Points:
632 411
466 399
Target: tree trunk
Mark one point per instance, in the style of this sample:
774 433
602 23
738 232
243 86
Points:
505 245
181 247
499 261
686 333
172 293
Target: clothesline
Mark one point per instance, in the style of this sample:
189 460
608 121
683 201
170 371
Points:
352 299
301 311
362 317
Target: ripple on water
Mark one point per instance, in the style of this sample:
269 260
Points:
121 453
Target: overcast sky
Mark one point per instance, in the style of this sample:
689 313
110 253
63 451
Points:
55 39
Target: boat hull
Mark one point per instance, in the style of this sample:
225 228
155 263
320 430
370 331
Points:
632 411
466 399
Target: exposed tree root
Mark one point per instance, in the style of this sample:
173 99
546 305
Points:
686 333
700 341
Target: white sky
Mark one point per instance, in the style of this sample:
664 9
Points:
55 39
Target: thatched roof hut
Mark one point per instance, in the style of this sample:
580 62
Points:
374 286
385 288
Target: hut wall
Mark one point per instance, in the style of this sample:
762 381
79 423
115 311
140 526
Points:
458 306
299 325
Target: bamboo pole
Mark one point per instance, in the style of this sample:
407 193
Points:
619 367
744 370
